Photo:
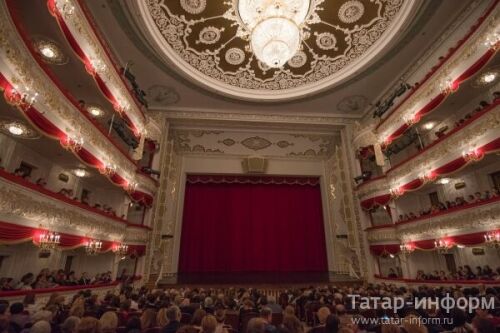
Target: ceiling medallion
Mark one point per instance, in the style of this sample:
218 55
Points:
235 56
210 35
298 60
272 50
194 6
351 11
17 129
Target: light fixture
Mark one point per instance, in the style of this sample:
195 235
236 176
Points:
406 248
275 28
74 142
489 77
443 245
492 239
49 51
92 247
80 173
49 240
429 125
16 129
95 111
444 181
120 249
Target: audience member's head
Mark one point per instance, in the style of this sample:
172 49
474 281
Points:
88 325
208 324
41 326
256 325
323 313
109 322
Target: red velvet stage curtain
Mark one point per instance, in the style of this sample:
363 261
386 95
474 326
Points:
252 227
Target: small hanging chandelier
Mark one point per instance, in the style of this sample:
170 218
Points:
406 248
121 249
275 28
443 245
92 247
49 240
492 239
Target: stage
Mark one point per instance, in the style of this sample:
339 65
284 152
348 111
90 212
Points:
267 279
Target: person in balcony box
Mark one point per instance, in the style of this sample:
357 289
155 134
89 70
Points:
41 182
85 279
71 279
392 274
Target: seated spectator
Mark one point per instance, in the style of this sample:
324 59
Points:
392 274
133 325
208 324
69 325
88 325
18 317
267 314
174 316
293 325
41 182
322 314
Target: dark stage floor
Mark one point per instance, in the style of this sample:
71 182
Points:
256 278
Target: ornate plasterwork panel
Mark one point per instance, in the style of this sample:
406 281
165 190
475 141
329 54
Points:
20 69
31 208
248 143
468 53
207 41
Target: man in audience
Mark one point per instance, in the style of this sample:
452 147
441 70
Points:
267 314
322 315
174 318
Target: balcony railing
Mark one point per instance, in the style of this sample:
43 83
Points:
479 215
29 204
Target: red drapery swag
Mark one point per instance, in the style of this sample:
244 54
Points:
474 68
252 226
89 68
51 130
428 244
13 234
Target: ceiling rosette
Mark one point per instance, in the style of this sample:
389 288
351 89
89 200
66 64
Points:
207 41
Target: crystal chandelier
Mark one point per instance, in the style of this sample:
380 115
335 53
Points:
443 245
406 248
275 28
492 239
49 240
92 247
121 249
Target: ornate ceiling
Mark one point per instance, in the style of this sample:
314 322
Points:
205 41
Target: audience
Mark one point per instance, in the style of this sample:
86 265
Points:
332 308
477 197
47 279
68 193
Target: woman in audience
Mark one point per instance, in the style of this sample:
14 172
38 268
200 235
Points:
109 322
161 317
69 325
198 316
208 324
148 319
88 325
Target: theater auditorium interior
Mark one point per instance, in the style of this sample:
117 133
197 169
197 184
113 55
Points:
249 166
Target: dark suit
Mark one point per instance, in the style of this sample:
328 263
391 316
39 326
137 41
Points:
171 327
